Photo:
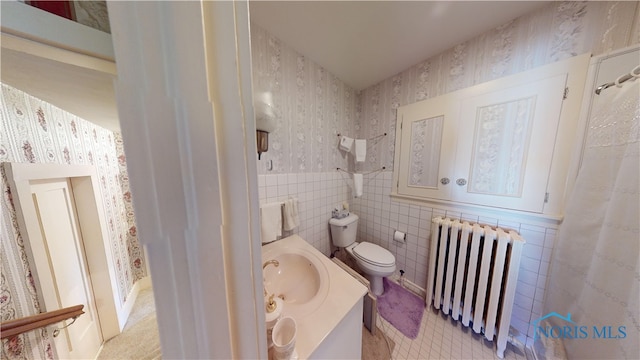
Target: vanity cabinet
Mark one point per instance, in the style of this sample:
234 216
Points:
492 144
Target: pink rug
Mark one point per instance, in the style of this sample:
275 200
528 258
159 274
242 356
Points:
401 308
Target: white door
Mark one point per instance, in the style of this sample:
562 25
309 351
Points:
71 285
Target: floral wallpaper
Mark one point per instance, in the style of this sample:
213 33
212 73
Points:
313 107
37 132
93 14
555 32
134 249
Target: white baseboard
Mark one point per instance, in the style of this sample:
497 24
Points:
125 310
415 289
409 285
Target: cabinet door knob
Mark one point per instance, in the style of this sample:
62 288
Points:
444 181
461 182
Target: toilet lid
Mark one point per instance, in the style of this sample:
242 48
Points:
374 254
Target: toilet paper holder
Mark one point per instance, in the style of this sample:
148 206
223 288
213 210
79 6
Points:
400 237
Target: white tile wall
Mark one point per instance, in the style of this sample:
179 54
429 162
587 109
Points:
380 216
317 193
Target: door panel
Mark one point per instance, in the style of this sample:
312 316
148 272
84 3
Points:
505 161
427 154
63 244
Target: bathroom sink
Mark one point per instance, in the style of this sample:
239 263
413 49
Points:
325 301
301 280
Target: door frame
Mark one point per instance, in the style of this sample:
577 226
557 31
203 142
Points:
188 126
92 222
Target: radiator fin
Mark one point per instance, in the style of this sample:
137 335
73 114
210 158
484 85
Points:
473 270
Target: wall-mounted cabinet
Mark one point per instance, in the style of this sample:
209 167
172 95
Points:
504 143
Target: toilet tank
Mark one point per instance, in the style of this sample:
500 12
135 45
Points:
343 231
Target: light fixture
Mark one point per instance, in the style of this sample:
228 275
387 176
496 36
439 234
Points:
265 120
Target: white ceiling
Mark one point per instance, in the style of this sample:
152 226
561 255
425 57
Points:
364 42
361 42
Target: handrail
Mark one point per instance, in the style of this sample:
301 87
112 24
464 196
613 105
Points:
11 328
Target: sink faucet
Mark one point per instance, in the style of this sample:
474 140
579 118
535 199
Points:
275 263
270 262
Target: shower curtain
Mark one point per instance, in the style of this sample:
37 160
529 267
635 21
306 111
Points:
592 296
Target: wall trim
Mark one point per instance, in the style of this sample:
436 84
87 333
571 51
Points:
85 184
127 307
31 23
499 213
197 199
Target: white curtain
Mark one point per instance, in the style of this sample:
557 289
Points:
595 272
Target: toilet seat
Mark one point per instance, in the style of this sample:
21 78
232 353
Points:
374 254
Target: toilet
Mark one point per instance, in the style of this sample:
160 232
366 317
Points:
375 261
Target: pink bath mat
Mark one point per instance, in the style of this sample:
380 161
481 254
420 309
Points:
401 308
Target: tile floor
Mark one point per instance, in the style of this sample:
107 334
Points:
442 338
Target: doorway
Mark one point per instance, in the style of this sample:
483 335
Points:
59 213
